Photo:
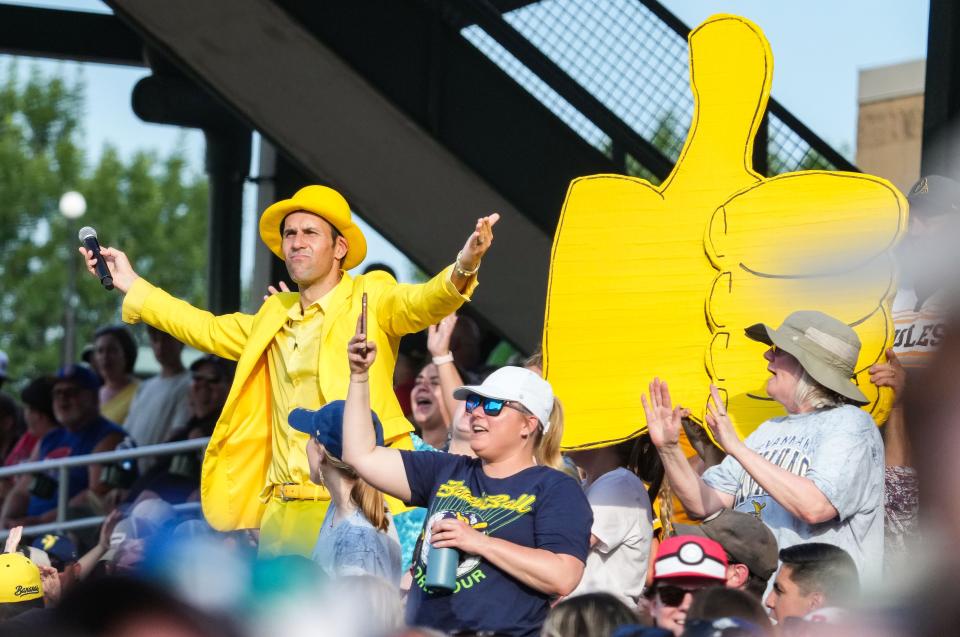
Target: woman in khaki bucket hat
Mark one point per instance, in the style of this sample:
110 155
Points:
813 475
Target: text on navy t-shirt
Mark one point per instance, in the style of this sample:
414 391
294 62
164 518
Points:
538 507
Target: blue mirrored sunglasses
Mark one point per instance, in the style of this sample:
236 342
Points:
491 406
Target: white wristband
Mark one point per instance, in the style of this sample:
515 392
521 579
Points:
440 360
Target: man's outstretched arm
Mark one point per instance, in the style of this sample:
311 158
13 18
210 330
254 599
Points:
224 336
468 260
411 308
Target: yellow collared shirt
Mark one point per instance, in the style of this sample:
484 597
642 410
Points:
293 363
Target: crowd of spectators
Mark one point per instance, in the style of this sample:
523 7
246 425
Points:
686 530
99 405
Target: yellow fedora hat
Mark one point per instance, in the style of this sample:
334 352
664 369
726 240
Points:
323 202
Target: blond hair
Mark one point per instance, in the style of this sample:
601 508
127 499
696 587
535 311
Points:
546 448
588 615
368 499
666 508
535 360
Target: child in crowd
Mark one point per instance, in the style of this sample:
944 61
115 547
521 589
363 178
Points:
357 536
622 523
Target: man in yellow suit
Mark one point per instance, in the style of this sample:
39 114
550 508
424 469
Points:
292 353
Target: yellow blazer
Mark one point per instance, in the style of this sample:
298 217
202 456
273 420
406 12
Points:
237 458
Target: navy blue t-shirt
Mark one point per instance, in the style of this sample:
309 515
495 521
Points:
61 443
538 507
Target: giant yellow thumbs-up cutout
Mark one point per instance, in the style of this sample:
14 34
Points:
661 281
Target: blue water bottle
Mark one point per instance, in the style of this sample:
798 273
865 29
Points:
442 568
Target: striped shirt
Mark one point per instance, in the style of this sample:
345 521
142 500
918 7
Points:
919 326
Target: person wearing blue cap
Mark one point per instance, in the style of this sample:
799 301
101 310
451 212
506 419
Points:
84 430
357 536
63 556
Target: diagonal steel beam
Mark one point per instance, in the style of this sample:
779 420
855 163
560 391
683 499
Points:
68 35
307 101
488 17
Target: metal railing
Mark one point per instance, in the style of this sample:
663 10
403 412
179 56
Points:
63 465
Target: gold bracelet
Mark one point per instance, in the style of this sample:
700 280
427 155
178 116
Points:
459 269
354 379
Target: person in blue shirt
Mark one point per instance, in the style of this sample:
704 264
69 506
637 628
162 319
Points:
84 431
522 530
357 536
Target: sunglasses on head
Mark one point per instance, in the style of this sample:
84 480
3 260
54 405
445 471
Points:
671 595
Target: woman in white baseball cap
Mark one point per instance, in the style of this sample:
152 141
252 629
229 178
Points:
521 529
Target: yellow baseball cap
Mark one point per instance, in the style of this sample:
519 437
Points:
19 579
323 202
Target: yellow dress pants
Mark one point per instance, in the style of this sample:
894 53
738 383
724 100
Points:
291 527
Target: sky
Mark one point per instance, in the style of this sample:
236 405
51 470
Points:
818 45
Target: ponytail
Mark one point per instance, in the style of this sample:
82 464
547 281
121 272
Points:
371 503
666 509
645 462
365 497
547 446
640 456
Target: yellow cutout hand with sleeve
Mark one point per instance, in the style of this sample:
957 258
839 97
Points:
662 280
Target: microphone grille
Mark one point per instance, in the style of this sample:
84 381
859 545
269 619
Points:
87 232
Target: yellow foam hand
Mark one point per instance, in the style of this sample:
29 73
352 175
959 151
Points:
661 281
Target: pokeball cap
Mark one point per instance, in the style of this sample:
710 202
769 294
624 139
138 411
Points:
690 556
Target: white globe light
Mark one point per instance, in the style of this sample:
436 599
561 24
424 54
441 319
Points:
72 205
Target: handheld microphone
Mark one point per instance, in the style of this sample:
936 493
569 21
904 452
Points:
88 237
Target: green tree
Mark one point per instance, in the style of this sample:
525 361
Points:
668 137
152 206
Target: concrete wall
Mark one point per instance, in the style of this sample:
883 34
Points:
890 122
